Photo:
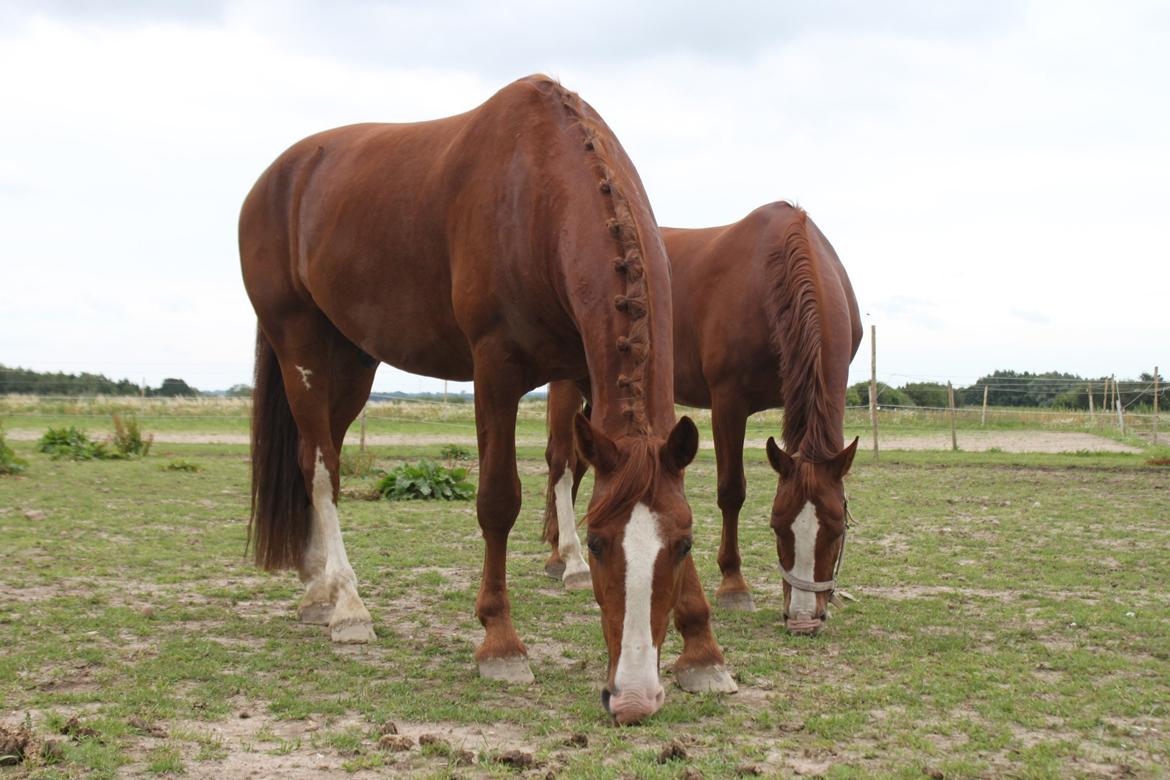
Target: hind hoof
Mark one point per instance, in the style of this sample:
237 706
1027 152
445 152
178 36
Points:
352 632
509 670
317 614
555 569
705 679
736 601
579 580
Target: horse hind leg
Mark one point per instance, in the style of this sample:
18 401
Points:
323 383
565 472
728 423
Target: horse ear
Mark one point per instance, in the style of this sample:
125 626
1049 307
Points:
594 446
781 461
844 459
681 446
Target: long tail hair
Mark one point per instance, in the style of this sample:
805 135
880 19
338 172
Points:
279 527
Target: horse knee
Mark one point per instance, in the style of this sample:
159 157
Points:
732 495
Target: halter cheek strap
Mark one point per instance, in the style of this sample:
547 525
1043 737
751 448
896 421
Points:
809 586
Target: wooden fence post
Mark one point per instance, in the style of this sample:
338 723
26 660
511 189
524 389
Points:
873 388
983 419
362 440
1092 412
951 406
1155 404
1120 415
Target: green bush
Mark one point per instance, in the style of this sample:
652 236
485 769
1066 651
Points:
128 439
426 480
9 463
356 463
73 444
454 452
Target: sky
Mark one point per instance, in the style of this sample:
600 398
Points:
995 176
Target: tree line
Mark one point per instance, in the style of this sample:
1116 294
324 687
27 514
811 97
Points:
27 382
1049 389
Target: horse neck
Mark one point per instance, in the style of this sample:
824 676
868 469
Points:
811 332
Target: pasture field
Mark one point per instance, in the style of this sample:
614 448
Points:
1012 619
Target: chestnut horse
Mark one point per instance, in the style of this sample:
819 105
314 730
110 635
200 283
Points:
479 246
764 317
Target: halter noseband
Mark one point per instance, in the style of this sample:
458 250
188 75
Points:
829 586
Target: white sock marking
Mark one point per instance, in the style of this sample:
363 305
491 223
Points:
305 374
568 546
638 665
326 554
804 533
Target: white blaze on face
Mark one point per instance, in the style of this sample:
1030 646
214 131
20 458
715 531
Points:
804 534
568 546
637 667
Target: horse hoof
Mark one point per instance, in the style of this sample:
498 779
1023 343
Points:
705 679
736 601
317 614
509 670
352 632
556 569
579 580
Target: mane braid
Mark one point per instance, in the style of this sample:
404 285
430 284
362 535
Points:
634 300
794 316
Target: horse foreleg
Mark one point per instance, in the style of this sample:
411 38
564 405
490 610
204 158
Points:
701 666
728 421
565 471
502 656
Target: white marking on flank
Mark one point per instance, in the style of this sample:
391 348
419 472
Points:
637 667
569 547
305 374
804 533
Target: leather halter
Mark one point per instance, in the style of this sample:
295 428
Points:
810 586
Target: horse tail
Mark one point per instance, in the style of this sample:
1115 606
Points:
279 527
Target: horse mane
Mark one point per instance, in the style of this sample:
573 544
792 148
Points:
795 320
634 300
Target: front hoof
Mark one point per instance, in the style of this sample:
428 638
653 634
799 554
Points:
555 569
579 580
315 614
352 632
509 670
705 679
736 601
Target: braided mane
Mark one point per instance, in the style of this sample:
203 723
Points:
795 319
634 300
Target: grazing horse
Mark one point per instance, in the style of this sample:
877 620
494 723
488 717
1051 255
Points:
764 316
480 246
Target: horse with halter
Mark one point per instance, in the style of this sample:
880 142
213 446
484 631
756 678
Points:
764 317
480 246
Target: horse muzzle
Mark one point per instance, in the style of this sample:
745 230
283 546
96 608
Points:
631 706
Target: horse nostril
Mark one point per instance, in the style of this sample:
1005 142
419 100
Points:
605 696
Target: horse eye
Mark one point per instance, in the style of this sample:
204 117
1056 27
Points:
684 547
594 545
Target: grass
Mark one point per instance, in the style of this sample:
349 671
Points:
1010 622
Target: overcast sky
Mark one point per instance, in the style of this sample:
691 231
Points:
995 176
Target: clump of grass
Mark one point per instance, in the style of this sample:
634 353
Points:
128 438
182 465
356 464
454 452
9 463
72 443
165 760
426 480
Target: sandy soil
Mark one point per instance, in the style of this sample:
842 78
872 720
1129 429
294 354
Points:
969 441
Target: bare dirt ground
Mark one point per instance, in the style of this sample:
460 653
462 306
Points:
969 441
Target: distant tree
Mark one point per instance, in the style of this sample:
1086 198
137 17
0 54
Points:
23 380
239 391
886 395
172 387
927 393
